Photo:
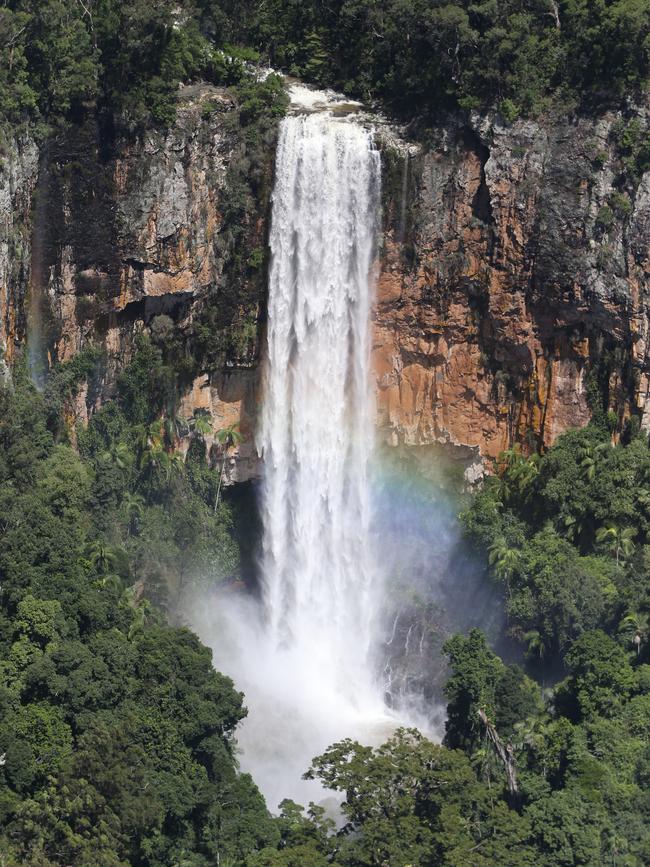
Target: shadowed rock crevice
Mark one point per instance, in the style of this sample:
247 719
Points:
481 204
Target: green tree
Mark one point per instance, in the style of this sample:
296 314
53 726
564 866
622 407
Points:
503 559
619 541
228 438
133 506
600 678
62 59
471 687
589 456
635 627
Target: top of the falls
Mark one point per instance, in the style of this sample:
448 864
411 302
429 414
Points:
305 99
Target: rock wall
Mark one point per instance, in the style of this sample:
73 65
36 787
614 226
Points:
18 174
131 236
515 268
512 294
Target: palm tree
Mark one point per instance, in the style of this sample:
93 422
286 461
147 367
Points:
140 616
524 473
133 505
152 454
507 463
635 626
201 423
152 458
174 427
113 581
573 526
227 437
174 465
589 457
536 644
617 540
509 458
103 557
119 455
530 734
503 559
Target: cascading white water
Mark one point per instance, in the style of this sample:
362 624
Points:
304 656
316 429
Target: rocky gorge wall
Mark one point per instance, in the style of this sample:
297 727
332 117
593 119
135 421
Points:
18 175
512 291
514 286
134 235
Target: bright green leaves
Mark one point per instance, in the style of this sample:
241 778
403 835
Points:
567 539
410 801
115 731
601 677
480 681
39 621
36 741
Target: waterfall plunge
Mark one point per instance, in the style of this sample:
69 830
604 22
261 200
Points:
316 430
304 661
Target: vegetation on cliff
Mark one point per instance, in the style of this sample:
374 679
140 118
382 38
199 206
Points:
415 55
567 535
116 732
425 55
127 57
527 774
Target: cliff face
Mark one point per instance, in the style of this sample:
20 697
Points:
132 236
513 290
18 173
126 231
514 285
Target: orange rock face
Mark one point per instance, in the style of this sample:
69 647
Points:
500 293
506 302
128 238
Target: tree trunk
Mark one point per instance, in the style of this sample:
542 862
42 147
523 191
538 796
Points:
223 467
504 753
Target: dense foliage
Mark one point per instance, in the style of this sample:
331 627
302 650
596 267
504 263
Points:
424 55
567 534
415 55
116 733
526 775
126 57
538 780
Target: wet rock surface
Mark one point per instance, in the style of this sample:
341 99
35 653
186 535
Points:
502 290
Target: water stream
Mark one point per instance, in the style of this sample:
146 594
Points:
317 422
303 654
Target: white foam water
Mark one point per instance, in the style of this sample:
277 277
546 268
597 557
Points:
304 657
316 429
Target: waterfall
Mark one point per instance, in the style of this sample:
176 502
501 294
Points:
302 654
317 421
